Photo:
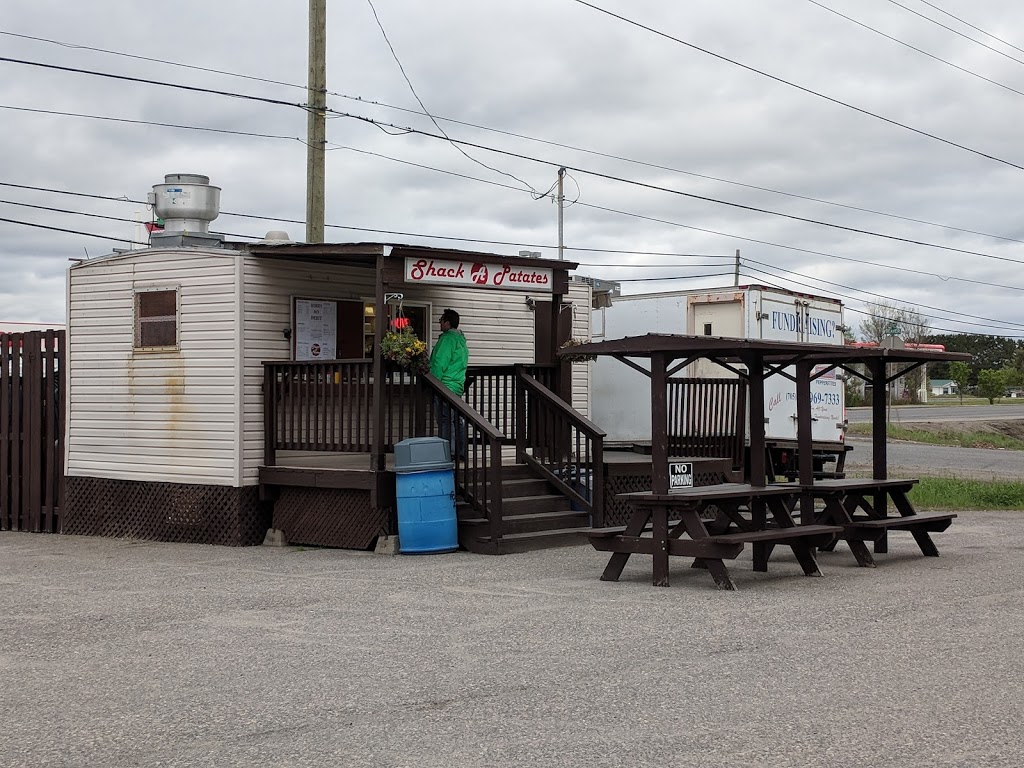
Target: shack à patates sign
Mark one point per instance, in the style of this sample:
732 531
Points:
506 276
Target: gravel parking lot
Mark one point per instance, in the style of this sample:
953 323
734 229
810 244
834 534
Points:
127 653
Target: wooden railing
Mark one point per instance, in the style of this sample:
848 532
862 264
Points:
566 448
477 452
707 418
328 406
491 391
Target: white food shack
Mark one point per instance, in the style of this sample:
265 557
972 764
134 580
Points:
217 389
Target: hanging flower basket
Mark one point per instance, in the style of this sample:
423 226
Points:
405 350
576 357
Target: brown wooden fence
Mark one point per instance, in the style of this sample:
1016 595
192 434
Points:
31 431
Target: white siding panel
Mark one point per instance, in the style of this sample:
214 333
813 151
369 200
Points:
162 416
581 296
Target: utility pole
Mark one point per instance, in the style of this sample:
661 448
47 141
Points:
561 206
736 270
316 125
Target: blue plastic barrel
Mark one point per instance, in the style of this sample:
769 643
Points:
425 492
426 512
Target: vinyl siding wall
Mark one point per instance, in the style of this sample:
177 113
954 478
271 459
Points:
156 416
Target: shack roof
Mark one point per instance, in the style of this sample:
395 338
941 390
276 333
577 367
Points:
365 254
675 346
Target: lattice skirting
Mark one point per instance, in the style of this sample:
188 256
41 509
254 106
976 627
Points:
329 517
196 514
618 511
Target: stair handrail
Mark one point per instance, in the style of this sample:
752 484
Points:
592 458
484 492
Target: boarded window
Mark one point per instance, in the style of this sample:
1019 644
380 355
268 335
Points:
156 319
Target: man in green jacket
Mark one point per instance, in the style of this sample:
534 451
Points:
448 362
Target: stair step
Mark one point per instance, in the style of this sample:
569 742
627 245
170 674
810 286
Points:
532 523
526 486
526 542
527 505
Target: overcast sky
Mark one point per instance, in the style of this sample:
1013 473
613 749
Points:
599 95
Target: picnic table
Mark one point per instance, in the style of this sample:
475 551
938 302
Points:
670 515
668 521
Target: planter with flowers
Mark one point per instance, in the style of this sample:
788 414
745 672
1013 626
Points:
405 350
576 357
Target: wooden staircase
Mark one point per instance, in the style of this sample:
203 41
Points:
536 516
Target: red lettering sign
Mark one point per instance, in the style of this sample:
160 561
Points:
445 272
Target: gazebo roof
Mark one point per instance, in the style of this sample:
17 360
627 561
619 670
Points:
675 346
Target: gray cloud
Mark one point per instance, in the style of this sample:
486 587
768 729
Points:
560 72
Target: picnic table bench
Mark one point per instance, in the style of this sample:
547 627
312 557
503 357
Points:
668 516
859 506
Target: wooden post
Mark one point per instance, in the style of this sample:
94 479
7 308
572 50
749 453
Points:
755 378
316 122
805 452
879 457
377 407
659 423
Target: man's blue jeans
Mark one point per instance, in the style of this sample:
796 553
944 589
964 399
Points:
451 427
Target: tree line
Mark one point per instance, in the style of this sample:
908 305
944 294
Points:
997 362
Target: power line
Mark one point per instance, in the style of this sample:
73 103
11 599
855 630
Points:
72 231
65 210
989 320
149 59
748 262
486 181
571 248
690 195
160 83
915 48
150 122
968 24
958 32
423 106
597 174
512 134
798 87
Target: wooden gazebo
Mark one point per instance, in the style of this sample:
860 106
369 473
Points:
754 360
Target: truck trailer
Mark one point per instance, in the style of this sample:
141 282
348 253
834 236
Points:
622 408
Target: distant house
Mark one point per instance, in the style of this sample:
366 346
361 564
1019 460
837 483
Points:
1015 392
942 386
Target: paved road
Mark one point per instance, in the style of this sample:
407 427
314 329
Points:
118 653
918 459
905 413
938 460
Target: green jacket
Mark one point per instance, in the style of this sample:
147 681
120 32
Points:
449 359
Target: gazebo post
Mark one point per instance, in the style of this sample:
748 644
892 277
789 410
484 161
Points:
805 451
755 378
879 428
659 423
879 398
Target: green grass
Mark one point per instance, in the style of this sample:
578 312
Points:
950 493
952 437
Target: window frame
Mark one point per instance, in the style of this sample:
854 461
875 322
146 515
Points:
138 321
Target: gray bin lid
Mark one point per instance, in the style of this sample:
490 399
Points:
422 454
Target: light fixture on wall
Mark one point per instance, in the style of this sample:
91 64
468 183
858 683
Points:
287 333
531 302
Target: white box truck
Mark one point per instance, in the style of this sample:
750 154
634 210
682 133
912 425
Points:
622 405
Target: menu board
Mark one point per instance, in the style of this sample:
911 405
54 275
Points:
316 329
